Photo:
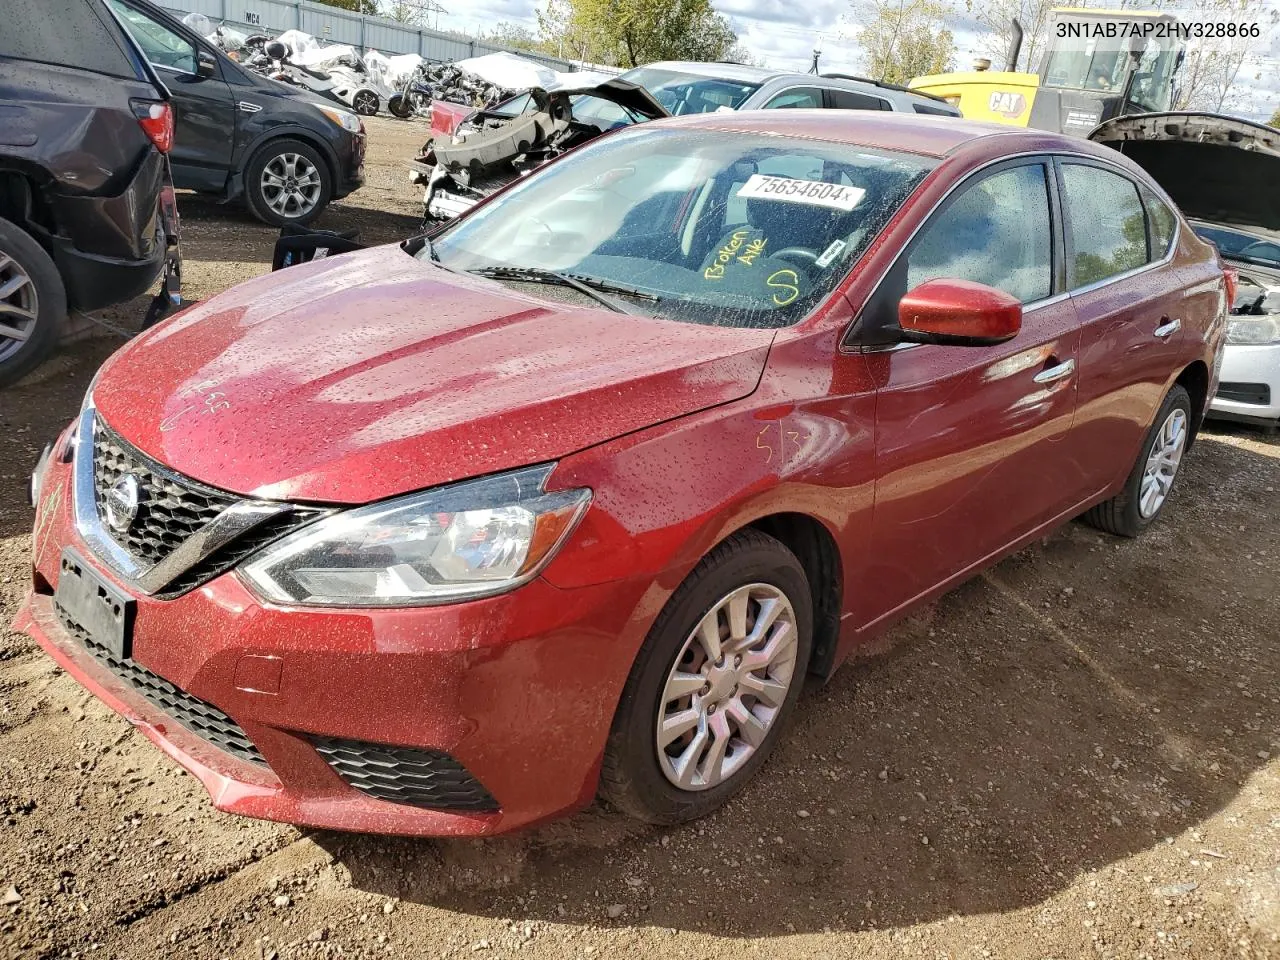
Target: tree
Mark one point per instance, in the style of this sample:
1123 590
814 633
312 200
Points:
516 36
1275 119
996 18
369 7
903 39
632 32
1209 73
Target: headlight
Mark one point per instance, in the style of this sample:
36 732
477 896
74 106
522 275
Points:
467 540
1253 330
347 121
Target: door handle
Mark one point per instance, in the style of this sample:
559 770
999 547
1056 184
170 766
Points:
1167 328
1060 372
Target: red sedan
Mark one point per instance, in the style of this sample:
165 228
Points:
447 537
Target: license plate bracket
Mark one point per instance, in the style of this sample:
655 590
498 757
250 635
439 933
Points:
100 609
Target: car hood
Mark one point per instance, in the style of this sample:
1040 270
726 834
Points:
624 93
354 378
1216 168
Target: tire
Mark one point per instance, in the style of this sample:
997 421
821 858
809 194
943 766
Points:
315 185
366 102
636 777
33 302
398 106
1125 515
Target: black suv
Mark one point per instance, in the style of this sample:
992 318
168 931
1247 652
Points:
87 217
286 151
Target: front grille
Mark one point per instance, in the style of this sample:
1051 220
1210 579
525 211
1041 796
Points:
418 778
1257 393
170 508
203 719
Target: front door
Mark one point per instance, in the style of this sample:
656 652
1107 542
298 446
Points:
204 109
973 444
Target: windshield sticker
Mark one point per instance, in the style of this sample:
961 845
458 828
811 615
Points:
785 282
829 255
815 193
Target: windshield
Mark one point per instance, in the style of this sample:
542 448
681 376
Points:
683 93
1236 245
709 227
1102 63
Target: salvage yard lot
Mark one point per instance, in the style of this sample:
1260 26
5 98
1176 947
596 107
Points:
1076 754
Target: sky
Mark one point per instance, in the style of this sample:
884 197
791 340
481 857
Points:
784 33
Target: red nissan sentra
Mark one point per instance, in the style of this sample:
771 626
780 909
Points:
447 537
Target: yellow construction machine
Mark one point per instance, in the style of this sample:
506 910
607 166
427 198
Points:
1098 64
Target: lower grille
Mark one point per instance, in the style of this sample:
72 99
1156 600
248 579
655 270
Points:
417 778
1256 393
203 719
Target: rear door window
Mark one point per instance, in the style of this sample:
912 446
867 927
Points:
799 98
66 32
1108 226
997 232
163 47
848 100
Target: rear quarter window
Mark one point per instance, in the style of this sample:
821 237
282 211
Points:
938 111
1163 223
69 33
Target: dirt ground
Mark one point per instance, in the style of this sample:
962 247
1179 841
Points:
1074 755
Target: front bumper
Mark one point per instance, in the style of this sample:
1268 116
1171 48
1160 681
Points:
1249 388
519 690
351 153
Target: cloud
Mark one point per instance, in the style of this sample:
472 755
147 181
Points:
785 34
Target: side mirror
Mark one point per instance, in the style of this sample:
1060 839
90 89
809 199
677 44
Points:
959 313
206 64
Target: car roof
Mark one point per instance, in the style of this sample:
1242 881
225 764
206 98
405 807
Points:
722 71
932 136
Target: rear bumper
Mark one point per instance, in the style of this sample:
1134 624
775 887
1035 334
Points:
1249 388
112 249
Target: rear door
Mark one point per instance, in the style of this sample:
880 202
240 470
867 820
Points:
973 444
1129 298
205 111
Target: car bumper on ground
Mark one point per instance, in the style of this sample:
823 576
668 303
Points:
1249 388
466 719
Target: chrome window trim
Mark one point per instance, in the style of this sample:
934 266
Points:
232 523
846 346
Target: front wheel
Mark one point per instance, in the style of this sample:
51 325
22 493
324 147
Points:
399 106
1147 488
713 684
366 102
287 181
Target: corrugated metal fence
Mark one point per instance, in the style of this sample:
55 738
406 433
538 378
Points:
335 25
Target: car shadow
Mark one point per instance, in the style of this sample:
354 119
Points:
1079 703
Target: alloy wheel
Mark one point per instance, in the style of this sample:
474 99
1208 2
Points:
727 687
291 185
365 103
19 306
1162 463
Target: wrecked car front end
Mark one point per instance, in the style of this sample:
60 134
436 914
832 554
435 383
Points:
491 148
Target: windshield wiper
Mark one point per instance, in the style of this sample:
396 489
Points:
539 275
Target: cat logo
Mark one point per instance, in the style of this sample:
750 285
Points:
1006 104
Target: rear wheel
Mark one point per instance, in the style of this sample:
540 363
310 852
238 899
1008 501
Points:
287 181
717 677
1147 489
33 303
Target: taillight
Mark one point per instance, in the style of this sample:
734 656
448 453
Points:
156 120
1232 277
